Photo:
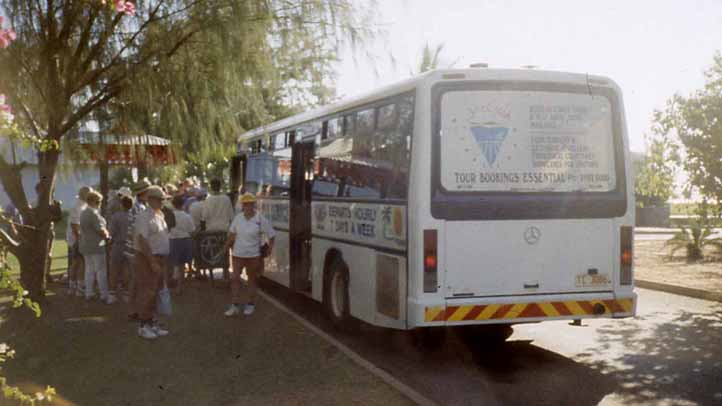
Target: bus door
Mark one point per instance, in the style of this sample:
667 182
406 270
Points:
300 215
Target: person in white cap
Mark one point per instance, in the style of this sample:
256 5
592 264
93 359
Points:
75 259
91 244
139 190
114 203
152 246
246 237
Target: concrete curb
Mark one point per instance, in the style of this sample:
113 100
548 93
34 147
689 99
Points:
679 290
355 357
670 231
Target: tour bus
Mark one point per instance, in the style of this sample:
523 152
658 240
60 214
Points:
459 197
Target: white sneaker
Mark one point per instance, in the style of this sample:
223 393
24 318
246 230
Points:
147 333
159 331
110 299
233 310
248 309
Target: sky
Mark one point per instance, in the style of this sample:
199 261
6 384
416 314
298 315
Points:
651 48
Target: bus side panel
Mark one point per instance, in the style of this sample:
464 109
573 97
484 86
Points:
419 209
277 268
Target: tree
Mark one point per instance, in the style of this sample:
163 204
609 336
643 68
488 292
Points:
252 74
697 121
655 172
429 58
73 58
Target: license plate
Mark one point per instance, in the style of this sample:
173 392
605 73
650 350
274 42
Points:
592 281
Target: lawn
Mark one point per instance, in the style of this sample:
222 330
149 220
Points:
90 353
59 252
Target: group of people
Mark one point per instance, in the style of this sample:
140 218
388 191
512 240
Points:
144 243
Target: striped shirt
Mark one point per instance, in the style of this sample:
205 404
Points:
137 208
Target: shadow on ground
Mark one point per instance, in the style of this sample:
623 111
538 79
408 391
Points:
678 361
89 351
461 372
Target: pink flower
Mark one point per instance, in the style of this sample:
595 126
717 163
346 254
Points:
126 7
129 8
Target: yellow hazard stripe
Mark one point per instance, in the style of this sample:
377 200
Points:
519 310
460 313
432 312
548 309
574 307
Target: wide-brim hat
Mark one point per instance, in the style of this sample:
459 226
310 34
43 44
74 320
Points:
156 192
125 191
141 186
247 198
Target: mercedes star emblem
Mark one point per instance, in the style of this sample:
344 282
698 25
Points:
532 235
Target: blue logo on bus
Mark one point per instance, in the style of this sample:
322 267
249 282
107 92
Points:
489 139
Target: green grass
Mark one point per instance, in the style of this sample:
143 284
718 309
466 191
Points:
59 252
91 354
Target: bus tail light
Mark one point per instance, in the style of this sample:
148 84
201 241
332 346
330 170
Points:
626 255
430 261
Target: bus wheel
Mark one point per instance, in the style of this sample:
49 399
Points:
335 295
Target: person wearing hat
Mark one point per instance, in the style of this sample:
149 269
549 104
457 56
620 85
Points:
114 203
139 189
91 244
72 234
152 246
119 265
246 237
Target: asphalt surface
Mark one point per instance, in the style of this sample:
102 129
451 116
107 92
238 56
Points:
671 353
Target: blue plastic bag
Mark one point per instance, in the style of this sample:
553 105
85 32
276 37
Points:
164 306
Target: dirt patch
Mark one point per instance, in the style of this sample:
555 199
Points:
653 262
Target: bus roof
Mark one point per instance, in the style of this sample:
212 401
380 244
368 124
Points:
411 83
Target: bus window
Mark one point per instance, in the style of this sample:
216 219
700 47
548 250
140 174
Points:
387 116
334 128
278 141
323 186
349 124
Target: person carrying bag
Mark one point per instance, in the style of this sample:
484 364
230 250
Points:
246 237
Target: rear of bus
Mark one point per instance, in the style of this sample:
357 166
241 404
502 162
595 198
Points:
525 200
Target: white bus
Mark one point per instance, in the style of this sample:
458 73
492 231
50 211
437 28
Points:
458 197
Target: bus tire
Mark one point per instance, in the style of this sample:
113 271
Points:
335 295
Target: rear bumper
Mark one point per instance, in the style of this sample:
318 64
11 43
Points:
522 309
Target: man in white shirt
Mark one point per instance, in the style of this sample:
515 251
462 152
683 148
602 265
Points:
246 237
152 246
196 208
72 235
217 210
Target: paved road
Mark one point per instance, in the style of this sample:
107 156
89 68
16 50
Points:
670 354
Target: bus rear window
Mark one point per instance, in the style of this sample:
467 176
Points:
526 141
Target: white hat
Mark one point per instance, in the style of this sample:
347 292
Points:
125 191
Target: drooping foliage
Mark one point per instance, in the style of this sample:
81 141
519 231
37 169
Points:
258 61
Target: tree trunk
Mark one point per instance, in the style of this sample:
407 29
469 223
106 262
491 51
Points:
33 254
103 167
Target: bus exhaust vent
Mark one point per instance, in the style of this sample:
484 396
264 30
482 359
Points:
479 65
